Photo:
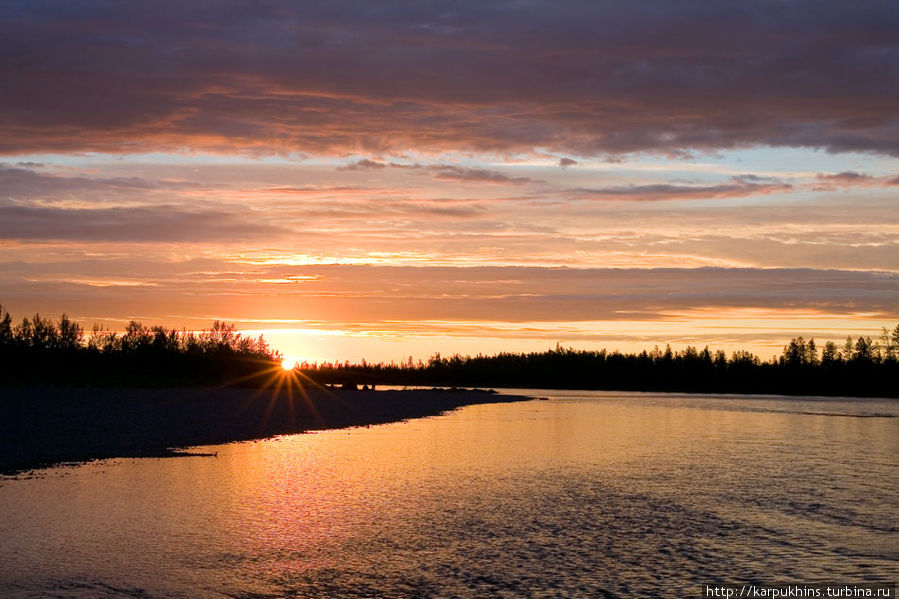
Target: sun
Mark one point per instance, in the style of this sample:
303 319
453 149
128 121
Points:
290 362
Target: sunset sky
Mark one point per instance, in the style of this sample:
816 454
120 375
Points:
383 179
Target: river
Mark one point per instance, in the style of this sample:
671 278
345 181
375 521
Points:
587 494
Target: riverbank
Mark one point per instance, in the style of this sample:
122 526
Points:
43 426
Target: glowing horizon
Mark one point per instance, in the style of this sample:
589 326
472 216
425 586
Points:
396 180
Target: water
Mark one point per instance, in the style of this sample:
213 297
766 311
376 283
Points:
586 495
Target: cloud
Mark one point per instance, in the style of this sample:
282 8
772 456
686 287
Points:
23 183
478 175
850 179
566 162
363 164
445 172
736 187
482 294
753 178
844 177
579 78
127 224
42 207
310 190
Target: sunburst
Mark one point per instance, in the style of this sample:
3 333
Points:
277 378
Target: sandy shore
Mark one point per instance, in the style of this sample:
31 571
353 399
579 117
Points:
42 426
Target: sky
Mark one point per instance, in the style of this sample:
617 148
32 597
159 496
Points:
381 180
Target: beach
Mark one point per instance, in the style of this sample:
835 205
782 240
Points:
42 426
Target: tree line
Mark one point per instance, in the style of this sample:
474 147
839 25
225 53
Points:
860 367
41 350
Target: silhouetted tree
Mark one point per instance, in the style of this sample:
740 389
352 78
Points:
741 357
811 353
6 329
864 350
157 355
720 359
38 333
795 353
798 371
888 344
70 334
140 355
830 354
848 349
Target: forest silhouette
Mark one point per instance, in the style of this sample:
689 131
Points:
860 367
40 350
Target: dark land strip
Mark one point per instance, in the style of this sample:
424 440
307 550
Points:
41 426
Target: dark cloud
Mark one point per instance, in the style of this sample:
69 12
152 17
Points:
308 189
446 172
480 175
736 187
566 162
357 212
137 224
844 177
850 179
363 164
751 178
25 183
580 78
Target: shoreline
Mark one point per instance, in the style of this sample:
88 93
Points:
43 426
